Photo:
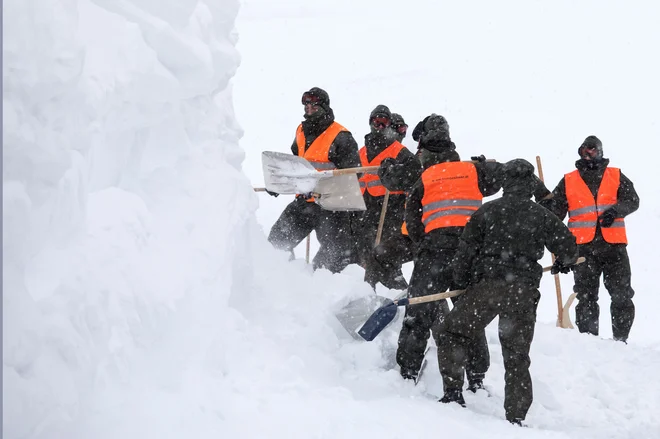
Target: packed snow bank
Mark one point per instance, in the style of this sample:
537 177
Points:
124 202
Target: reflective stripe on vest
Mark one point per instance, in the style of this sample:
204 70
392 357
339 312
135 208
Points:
318 152
451 195
583 210
370 182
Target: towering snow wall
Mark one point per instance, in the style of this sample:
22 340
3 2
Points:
125 209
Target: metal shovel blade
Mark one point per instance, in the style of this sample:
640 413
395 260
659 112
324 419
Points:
287 173
355 313
340 193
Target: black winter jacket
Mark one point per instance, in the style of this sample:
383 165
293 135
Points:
506 237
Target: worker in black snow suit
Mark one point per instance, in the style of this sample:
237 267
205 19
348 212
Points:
597 198
437 209
397 174
395 160
496 262
326 145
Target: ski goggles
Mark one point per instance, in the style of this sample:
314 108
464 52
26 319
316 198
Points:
309 98
401 129
381 122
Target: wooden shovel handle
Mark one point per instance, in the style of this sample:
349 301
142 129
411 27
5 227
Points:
381 220
560 300
375 168
454 293
434 297
354 170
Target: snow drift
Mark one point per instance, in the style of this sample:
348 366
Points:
125 207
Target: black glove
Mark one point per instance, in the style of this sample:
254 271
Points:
272 194
388 162
478 158
461 282
558 267
608 217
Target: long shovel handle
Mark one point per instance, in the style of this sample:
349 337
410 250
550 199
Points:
433 297
454 293
560 300
307 247
353 170
381 221
375 168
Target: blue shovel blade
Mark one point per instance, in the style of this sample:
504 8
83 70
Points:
378 321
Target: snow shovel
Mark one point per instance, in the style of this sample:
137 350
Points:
384 315
290 174
340 193
353 315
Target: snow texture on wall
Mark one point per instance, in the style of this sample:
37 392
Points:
122 184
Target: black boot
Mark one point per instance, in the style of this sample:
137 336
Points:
453 396
475 385
408 374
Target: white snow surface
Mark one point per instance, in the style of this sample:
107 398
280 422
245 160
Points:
140 296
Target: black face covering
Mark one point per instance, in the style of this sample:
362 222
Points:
316 116
386 133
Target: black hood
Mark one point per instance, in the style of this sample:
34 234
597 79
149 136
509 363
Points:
324 112
519 178
380 111
434 135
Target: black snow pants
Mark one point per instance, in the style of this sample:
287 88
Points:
385 262
333 232
516 305
611 261
433 274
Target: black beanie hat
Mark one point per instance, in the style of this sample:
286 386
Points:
519 177
518 168
397 119
380 111
322 95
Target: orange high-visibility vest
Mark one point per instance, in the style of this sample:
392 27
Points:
583 210
369 182
451 195
318 151
404 229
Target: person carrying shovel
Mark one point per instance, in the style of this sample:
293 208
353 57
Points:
496 264
437 208
597 198
398 170
327 145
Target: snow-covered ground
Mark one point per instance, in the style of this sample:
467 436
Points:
140 297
